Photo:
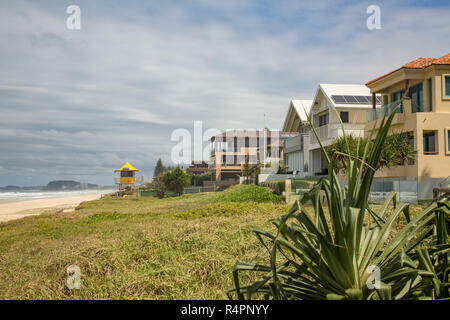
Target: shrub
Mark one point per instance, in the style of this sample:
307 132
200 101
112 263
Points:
176 180
277 187
225 209
333 255
248 193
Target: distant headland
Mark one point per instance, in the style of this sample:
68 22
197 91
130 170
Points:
59 185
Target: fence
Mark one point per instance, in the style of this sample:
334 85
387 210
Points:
407 190
191 190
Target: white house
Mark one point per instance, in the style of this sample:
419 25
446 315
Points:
348 102
294 148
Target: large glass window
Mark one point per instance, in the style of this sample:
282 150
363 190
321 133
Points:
429 142
416 94
397 96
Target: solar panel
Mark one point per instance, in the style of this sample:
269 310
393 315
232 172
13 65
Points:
338 99
350 99
361 99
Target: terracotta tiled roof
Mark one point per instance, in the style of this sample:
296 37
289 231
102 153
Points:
420 63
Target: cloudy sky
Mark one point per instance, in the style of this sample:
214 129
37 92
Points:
76 104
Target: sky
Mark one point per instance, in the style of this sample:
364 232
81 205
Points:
77 104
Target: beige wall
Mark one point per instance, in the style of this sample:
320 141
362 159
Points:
427 166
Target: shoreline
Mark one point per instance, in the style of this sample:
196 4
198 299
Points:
13 210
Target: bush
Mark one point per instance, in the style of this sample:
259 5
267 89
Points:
176 180
277 187
225 209
248 193
335 253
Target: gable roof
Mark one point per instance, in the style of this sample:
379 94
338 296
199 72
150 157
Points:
126 167
296 108
330 90
420 63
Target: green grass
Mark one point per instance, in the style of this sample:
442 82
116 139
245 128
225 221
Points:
248 193
142 248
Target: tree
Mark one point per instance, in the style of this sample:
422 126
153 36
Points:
159 186
250 170
197 179
159 168
395 151
176 180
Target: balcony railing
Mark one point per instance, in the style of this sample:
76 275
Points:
322 132
294 143
386 110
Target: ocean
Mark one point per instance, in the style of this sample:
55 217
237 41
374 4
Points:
42 194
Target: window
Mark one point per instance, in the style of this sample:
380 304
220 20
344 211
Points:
323 120
247 142
126 174
416 94
410 138
447 86
397 96
429 142
430 95
410 141
385 99
448 140
344 116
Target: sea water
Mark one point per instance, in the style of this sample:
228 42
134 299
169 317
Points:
42 194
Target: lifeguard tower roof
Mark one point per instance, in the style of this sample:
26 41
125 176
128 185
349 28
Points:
126 167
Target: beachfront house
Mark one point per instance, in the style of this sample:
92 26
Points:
332 104
295 147
231 149
424 115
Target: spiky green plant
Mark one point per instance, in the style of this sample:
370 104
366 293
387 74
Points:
333 255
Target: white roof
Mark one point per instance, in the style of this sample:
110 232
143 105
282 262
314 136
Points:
344 90
301 106
296 108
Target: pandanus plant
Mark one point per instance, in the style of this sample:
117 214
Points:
346 250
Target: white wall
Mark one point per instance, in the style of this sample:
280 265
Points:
295 161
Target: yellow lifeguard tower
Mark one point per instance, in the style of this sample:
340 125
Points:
127 176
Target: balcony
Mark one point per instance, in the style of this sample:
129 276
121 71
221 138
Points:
294 144
322 132
124 180
385 110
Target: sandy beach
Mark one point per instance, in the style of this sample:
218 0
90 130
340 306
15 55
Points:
19 209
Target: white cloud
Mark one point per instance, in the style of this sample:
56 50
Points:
78 103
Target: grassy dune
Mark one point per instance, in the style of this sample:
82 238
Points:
144 248
173 248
